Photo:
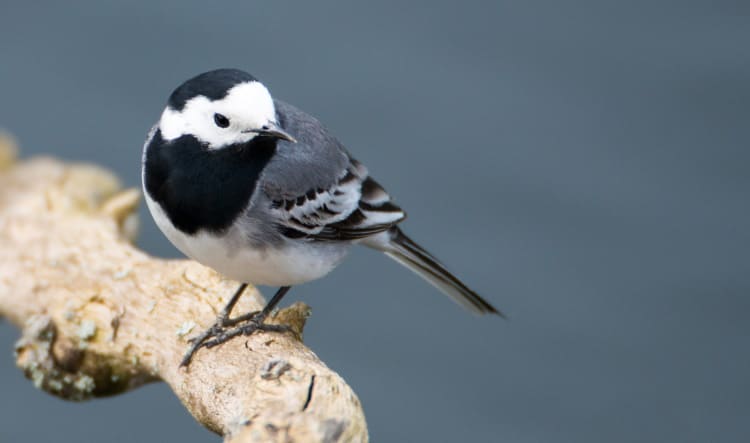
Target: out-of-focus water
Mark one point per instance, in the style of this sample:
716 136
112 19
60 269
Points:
582 164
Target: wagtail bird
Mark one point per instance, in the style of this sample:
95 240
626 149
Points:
262 192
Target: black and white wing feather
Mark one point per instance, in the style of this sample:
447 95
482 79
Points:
353 208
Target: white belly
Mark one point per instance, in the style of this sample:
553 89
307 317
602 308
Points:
231 255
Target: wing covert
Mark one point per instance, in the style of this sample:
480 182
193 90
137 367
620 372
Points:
354 207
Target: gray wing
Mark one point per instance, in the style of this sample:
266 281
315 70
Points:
316 190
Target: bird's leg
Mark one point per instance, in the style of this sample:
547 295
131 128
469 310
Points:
219 332
252 321
221 322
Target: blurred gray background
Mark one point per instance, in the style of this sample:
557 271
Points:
582 164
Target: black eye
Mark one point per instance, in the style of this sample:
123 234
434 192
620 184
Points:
221 121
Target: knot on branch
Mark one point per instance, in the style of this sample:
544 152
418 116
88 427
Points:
56 365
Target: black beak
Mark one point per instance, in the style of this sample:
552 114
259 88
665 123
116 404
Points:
273 130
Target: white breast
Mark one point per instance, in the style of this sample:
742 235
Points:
231 254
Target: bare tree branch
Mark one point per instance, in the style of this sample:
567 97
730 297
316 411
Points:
100 317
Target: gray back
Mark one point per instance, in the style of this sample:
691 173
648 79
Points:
317 160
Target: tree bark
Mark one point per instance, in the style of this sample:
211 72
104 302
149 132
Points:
99 317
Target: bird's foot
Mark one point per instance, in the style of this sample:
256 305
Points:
226 329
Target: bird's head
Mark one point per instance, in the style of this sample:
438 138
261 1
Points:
221 108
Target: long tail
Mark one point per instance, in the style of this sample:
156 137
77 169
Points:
405 251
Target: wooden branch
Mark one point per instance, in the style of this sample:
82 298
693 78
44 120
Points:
100 317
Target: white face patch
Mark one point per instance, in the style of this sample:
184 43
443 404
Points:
247 106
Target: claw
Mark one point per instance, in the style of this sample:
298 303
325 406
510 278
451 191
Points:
221 332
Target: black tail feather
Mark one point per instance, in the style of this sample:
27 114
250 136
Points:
406 251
